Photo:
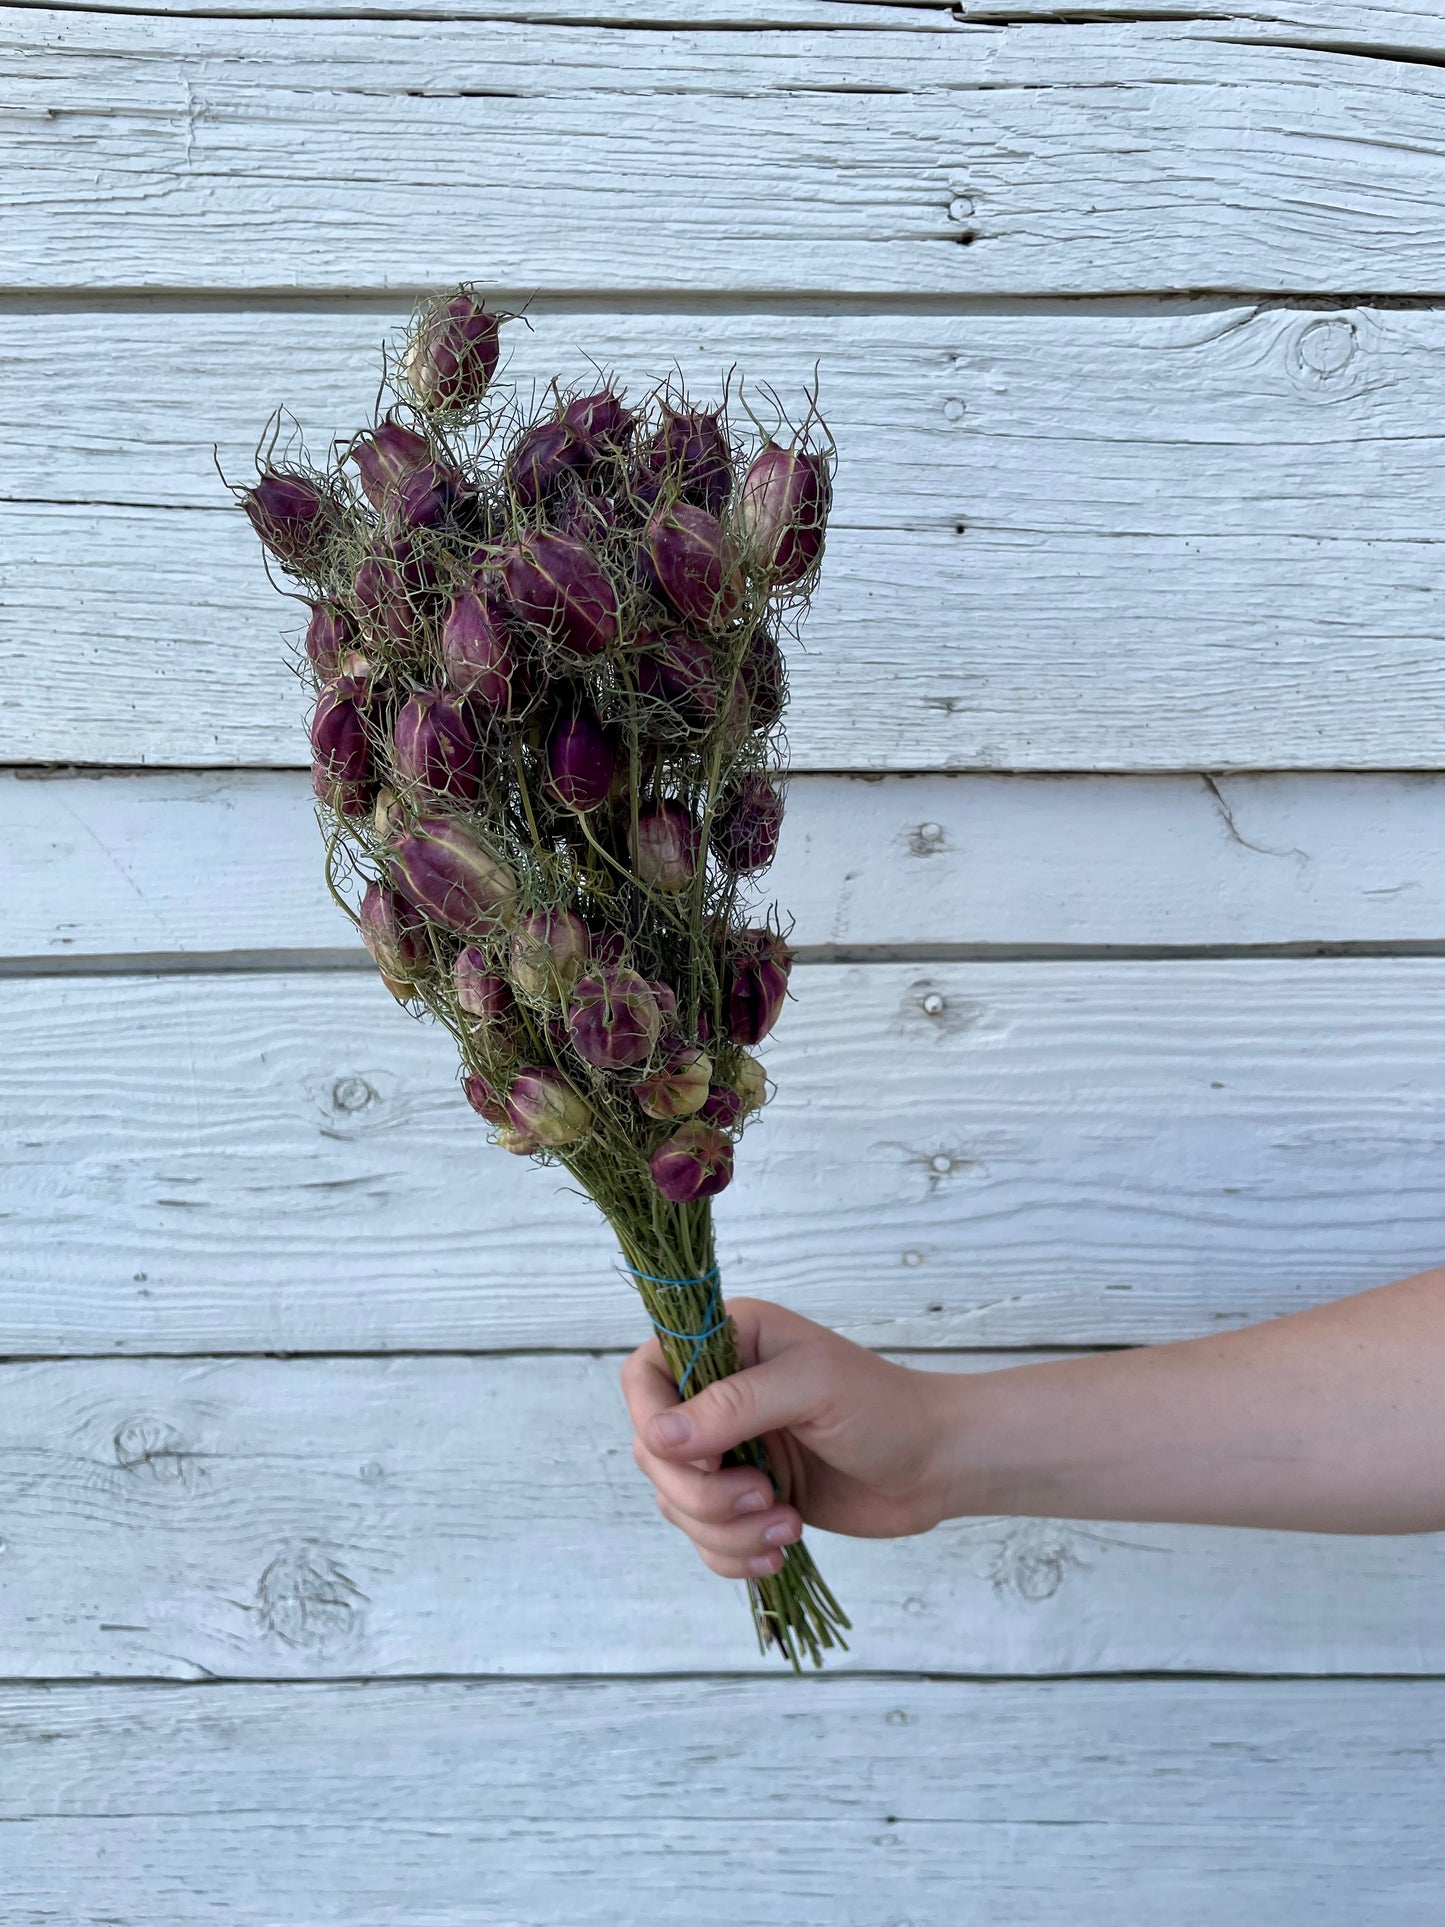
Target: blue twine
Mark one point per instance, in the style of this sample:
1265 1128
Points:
696 1339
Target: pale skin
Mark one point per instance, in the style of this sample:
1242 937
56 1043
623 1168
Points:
1330 1420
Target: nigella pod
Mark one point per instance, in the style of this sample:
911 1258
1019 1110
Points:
385 456
330 634
600 423
296 517
442 869
454 353
722 1107
695 1162
745 830
765 680
383 600
543 1105
538 462
693 564
393 934
750 1082
548 952
338 731
613 1019
581 761
477 649
558 585
434 749
681 1086
678 670
481 991
664 845
485 1099
756 984
691 450
782 509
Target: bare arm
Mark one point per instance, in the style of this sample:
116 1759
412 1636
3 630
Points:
1331 1420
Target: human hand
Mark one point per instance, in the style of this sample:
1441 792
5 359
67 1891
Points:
858 1444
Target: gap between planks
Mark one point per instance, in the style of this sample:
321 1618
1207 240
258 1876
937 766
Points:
274 963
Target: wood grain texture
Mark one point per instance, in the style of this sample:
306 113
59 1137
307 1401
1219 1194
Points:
833 1802
161 153
965 1155
1385 29
1184 420
384 1517
925 649
168 865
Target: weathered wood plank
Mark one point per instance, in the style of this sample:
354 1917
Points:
246 1518
447 1804
880 16
967 1154
1370 27
1184 420
165 865
1117 160
1057 651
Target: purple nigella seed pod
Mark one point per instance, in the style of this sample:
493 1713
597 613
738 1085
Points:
295 517
756 984
484 1098
548 953
347 799
442 869
382 600
666 998
609 947
581 762
613 1019
386 456
543 1105
695 1162
391 932
330 632
723 1107
691 450
745 831
478 653
764 679
559 586
454 353
481 992
338 731
599 422
681 1086
424 498
665 848
678 670
693 567
434 748
782 509
539 461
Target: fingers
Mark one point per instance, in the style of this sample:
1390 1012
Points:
778 1392
745 1548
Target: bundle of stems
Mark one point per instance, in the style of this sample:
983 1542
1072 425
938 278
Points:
545 643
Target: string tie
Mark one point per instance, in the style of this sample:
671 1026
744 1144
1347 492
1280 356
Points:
696 1339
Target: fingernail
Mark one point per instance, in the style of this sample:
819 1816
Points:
765 1563
778 1535
752 1502
673 1428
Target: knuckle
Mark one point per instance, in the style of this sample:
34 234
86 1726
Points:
731 1401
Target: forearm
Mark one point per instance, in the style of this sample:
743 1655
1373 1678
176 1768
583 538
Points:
1331 1420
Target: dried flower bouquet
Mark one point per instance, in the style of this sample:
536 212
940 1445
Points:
545 647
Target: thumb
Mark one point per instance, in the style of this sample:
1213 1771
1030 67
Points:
764 1398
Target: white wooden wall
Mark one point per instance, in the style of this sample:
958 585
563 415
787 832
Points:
328 1590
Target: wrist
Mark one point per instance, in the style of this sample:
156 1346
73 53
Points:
976 1468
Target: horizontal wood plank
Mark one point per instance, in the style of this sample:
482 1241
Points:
925 649
1059 1804
314 1518
1118 160
1404 29
958 1155
168 865
1185 420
